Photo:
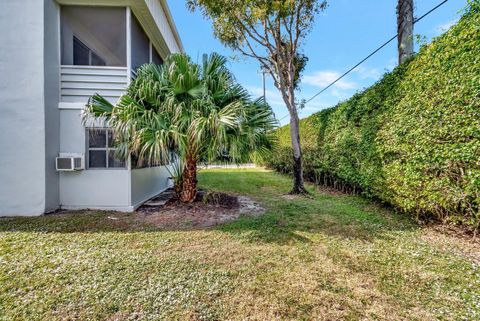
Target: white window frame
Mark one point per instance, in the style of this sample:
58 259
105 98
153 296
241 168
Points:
107 150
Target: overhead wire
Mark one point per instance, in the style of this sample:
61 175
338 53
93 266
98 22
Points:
368 57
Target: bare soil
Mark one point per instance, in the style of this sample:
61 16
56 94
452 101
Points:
209 209
451 239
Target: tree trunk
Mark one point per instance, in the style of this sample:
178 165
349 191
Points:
405 29
189 180
298 184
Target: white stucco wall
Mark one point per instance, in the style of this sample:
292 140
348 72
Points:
148 182
91 188
34 129
96 189
22 120
52 114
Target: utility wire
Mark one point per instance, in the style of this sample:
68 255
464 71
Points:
368 57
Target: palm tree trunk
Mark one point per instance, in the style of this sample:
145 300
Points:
189 180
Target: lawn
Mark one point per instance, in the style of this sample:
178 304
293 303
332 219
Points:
328 257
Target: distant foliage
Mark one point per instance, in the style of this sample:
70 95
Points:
412 140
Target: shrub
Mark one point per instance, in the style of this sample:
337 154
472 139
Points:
412 140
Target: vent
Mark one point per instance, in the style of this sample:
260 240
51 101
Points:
69 163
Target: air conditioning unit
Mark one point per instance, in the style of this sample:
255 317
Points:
70 162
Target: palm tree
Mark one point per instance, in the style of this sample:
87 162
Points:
200 112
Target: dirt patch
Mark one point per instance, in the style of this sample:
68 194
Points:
329 191
451 240
209 209
290 197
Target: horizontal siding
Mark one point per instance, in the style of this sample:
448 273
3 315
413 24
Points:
79 83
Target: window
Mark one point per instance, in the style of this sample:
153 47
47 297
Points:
84 56
95 35
101 149
156 59
140 53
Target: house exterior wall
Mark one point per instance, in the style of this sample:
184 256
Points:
109 189
148 182
96 189
93 188
22 107
79 83
39 120
51 96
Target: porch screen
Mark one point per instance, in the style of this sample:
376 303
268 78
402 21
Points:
93 36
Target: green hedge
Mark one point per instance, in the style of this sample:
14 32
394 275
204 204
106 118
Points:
412 140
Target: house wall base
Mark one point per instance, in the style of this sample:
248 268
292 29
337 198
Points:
125 209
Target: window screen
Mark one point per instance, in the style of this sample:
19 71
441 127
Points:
84 56
101 149
140 45
81 53
93 35
156 59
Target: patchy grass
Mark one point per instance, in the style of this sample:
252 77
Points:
329 257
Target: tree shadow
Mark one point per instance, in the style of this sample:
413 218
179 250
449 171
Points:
298 222
299 219
76 222
286 220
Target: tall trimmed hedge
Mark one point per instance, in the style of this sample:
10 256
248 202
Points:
411 140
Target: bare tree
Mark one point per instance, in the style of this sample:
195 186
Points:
272 33
405 29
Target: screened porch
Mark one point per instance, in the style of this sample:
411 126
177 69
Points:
101 47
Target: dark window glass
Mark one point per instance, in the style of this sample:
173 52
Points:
97 138
97 159
111 139
97 61
156 59
84 56
102 151
81 53
140 52
114 161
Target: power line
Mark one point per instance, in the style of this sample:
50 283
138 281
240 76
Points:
369 56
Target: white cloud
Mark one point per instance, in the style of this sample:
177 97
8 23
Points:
392 64
274 97
341 90
326 77
445 26
367 73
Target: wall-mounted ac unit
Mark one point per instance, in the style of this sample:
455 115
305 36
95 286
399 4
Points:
69 162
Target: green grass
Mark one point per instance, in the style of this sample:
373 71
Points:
329 257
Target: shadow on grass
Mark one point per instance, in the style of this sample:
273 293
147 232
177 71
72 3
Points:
304 220
76 222
286 220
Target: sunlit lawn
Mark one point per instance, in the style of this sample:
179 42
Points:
329 257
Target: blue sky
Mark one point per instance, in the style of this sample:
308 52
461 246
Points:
344 34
